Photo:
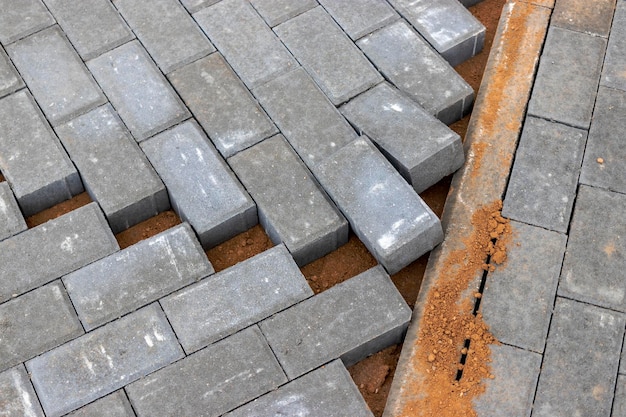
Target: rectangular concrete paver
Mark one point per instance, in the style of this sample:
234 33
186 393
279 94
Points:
275 12
10 80
613 74
113 405
21 18
194 5
17 396
619 402
358 19
11 219
577 15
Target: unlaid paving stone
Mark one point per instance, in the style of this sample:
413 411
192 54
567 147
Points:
114 170
33 160
423 149
136 276
613 74
275 12
577 15
113 405
350 321
103 361
292 208
327 391
543 181
222 105
202 188
580 363
568 76
212 381
619 402
411 65
384 211
21 18
11 219
10 80
55 248
17 396
248 44
55 75
329 56
358 19
139 92
194 5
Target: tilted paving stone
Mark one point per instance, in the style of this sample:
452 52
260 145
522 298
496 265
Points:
568 76
136 276
10 80
247 43
93 26
166 30
358 19
577 15
33 160
212 381
202 188
384 211
613 74
423 149
580 363
55 75
275 12
235 298
194 5
543 181
292 208
329 56
415 68
21 18
114 170
447 25
222 105
11 219
327 391
17 396
55 248
113 405
350 321
103 361
144 99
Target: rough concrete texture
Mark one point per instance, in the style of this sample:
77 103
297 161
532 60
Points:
17 396
577 15
619 403
113 405
275 12
11 219
358 19
10 80
613 74
194 5
20 19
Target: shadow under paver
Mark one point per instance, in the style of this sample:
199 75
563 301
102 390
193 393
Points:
614 72
17 396
113 405
11 219
21 18
10 80
359 18
577 15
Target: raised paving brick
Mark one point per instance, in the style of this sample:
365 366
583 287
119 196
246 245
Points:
384 211
577 15
235 298
36 322
292 208
103 361
350 321
613 74
93 26
532 271
580 364
310 122
619 402
222 104
202 188
567 79
327 391
411 65
248 44
275 12
9 78
21 18
447 25
335 63
594 265
212 381
55 75
139 92
17 397
32 158
11 219
166 30
55 248
194 5
423 149
102 150
358 19
136 276
113 405
542 186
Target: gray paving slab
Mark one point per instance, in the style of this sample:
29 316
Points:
577 15
10 80
619 402
292 208
329 56
327 391
166 30
32 158
102 149
141 95
136 276
202 188
11 219
212 381
55 74
17 396
568 76
20 19
351 321
422 148
542 185
247 43
93 26
194 5
103 361
222 105
55 248
593 265
309 121
580 363
275 12
113 405
407 60
622 362
358 19
613 74
384 211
